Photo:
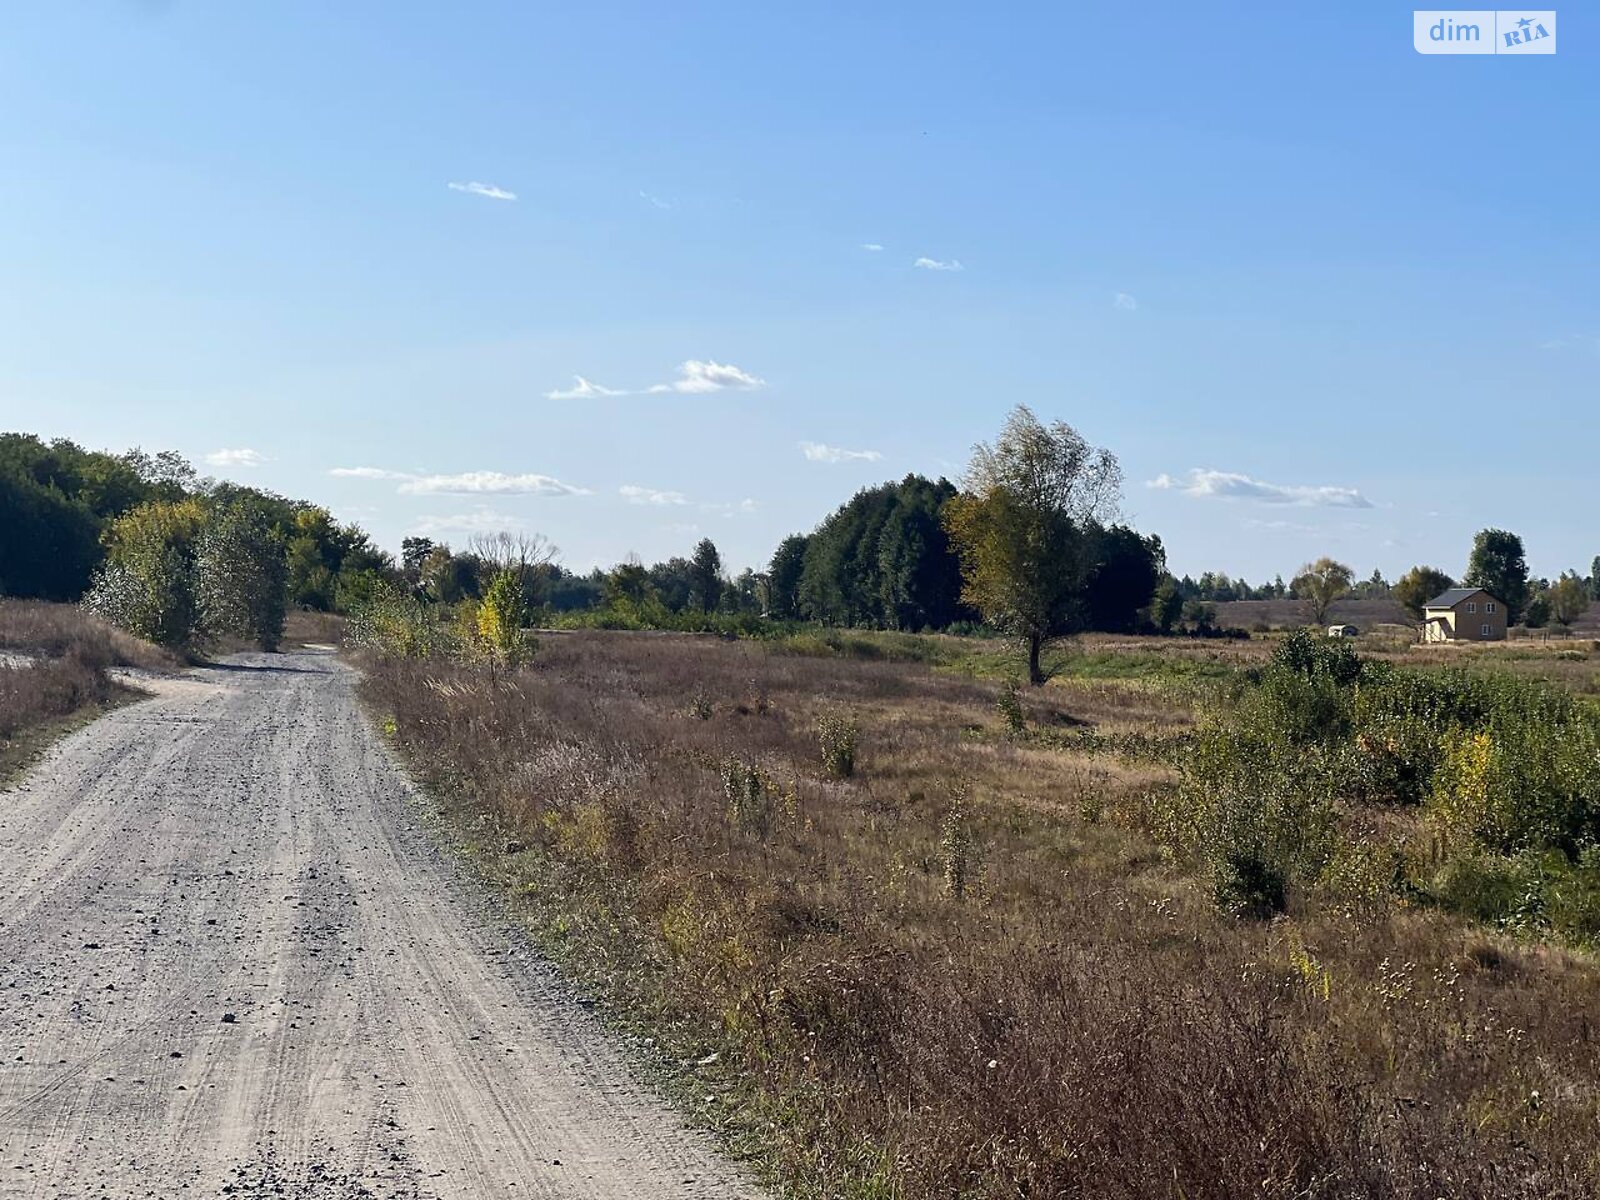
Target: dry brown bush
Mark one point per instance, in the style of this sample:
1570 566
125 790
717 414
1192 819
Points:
1083 1024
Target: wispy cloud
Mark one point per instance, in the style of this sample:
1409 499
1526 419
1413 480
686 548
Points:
654 201
939 264
468 483
490 483
823 453
483 189
634 494
873 246
1231 485
1280 526
235 458
480 520
368 473
746 505
697 377
584 389
1583 340
1125 302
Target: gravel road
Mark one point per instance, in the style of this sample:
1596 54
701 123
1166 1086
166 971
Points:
231 963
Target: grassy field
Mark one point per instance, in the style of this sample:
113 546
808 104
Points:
901 936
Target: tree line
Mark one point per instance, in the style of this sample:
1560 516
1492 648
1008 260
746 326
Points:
1030 544
174 557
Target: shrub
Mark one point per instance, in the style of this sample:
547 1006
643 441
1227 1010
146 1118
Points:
1009 706
1259 820
401 626
838 737
242 577
955 845
750 797
499 619
1519 785
147 583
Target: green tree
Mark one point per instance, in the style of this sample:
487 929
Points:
1320 584
1594 578
321 550
1419 585
783 575
50 544
629 584
1498 567
1538 607
500 617
1128 569
414 552
147 583
1021 524
445 577
673 582
1166 606
242 575
1569 599
705 576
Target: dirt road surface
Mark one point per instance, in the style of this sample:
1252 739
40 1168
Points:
231 963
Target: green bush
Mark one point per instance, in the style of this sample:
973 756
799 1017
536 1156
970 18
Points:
1518 786
1009 705
1260 820
400 626
838 737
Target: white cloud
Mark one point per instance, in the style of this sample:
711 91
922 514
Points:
728 510
698 377
634 494
821 452
489 482
873 246
1281 526
1585 340
655 201
937 264
695 377
483 189
367 473
235 458
482 520
1125 302
1231 485
584 389
468 483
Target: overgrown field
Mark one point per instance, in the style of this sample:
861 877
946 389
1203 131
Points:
948 939
54 662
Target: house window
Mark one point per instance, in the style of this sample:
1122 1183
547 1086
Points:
1489 607
1488 631
1472 606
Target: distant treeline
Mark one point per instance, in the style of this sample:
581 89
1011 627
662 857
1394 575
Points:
58 502
883 560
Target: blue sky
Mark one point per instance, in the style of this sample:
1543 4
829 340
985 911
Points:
1320 293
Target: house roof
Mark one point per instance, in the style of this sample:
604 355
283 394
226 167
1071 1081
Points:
1452 597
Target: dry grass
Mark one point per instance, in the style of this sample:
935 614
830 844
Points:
54 662
35 628
1082 1023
